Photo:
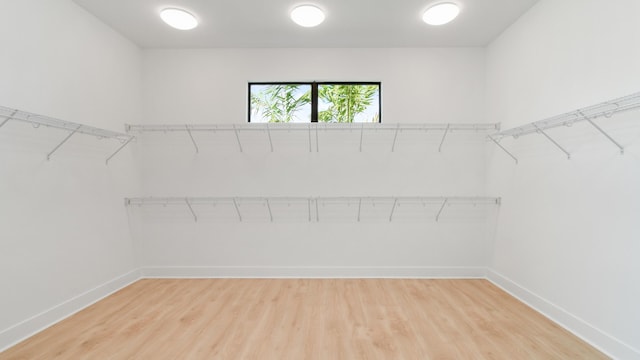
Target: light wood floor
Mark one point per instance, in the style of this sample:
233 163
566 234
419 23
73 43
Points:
306 319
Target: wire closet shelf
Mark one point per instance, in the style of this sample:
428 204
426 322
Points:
312 129
602 110
312 204
9 114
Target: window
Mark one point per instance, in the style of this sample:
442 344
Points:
340 102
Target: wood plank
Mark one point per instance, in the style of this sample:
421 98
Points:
306 319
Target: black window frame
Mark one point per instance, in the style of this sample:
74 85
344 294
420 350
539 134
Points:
314 94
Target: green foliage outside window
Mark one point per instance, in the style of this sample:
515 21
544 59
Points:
345 102
340 103
279 103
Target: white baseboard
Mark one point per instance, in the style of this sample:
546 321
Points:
310 272
29 327
602 341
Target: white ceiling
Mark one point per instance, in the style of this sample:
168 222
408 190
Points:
266 23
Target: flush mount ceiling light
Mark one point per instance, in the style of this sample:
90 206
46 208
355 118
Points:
441 14
307 16
179 19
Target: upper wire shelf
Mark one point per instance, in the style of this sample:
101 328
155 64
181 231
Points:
313 129
7 114
309 126
311 206
602 110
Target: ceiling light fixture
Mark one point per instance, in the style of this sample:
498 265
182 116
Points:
179 19
441 13
307 16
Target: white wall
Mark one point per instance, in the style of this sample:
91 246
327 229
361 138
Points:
210 86
567 239
419 85
63 226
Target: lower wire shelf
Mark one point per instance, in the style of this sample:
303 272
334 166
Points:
316 209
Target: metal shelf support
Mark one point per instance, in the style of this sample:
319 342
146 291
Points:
235 204
120 148
393 209
395 138
192 139
444 136
602 132
553 141
63 141
237 137
444 203
195 217
269 208
269 135
7 118
503 148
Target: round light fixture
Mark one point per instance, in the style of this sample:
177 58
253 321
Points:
179 19
441 14
307 15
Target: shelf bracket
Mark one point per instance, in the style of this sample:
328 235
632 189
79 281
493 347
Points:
444 136
317 211
602 132
359 208
309 206
269 135
361 135
235 130
7 118
120 148
235 204
444 203
503 148
395 137
553 141
195 217
317 142
393 209
269 208
192 139
63 141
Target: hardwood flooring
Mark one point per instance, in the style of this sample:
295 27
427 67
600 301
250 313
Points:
305 319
